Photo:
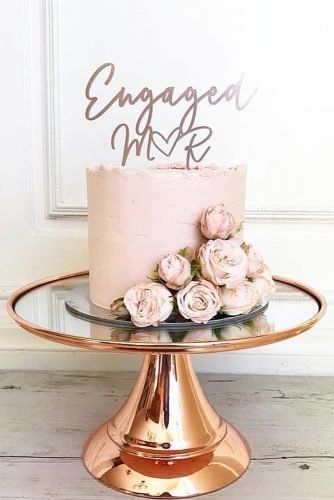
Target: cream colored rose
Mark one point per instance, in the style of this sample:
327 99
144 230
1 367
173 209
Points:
255 261
175 271
148 304
198 301
217 222
223 262
240 300
265 285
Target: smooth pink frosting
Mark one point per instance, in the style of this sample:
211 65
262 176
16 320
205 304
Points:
136 216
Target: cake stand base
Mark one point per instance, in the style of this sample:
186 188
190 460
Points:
166 440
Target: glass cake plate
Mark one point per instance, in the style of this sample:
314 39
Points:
40 308
78 303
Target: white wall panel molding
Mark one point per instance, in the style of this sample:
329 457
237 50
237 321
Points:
42 126
56 204
291 214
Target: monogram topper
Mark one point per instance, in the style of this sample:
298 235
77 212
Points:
147 140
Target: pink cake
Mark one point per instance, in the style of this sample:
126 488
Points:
135 217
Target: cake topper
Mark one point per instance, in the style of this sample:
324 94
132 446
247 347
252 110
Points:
149 141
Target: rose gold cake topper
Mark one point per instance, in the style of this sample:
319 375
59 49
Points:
148 140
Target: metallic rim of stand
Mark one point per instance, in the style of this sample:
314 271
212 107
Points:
141 347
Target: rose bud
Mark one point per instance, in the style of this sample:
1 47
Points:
175 271
223 262
240 300
217 222
255 261
199 301
148 304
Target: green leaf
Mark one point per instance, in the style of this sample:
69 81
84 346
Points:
236 230
118 309
178 336
195 267
155 277
187 252
183 252
217 332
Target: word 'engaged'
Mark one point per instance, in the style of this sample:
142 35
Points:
148 140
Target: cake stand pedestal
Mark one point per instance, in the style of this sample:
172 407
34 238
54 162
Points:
166 440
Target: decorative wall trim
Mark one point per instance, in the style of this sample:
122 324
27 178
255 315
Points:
50 75
56 206
290 214
260 214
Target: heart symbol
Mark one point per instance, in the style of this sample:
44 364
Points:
171 141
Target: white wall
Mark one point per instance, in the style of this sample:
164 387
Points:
49 49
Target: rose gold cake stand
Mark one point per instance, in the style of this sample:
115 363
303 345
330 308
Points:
166 440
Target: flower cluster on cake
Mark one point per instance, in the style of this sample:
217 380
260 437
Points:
222 277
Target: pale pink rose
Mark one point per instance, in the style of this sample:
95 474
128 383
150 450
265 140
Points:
198 301
148 304
255 261
217 222
223 262
265 285
240 300
175 271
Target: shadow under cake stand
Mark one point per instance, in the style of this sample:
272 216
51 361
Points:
166 440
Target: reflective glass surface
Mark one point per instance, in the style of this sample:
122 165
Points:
44 307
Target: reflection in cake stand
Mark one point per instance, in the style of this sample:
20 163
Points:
166 440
